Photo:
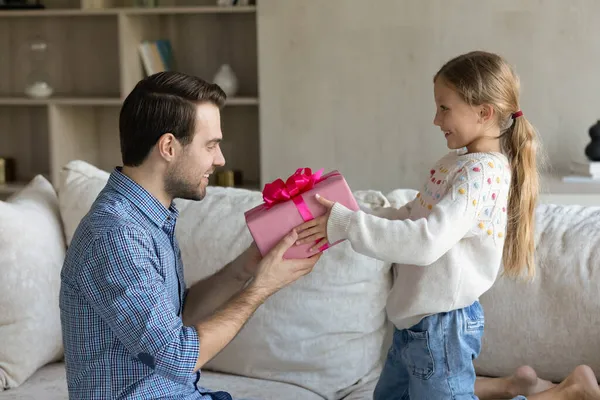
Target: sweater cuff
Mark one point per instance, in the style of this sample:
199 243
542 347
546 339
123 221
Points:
337 225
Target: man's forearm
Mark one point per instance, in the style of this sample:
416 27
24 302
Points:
218 330
206 296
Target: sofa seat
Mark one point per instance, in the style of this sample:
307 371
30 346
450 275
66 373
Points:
49 383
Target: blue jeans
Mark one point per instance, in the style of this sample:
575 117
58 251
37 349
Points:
433 360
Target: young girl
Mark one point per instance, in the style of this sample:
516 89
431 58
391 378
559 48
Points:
474 212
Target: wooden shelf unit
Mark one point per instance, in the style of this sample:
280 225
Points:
93 63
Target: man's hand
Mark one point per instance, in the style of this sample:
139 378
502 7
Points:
275 272
315 230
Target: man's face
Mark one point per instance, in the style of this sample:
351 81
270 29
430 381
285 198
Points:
187 178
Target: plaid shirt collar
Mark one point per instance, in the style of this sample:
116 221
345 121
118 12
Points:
141 198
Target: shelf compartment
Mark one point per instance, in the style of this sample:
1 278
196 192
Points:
201 43
82 59
89 134
240 143
24 137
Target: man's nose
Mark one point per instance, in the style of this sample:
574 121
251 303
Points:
220 159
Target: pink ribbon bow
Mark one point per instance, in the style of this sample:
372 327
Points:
301 181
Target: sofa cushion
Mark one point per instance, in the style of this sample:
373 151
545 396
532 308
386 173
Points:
32 249
49 383
78 187
552 322
323 333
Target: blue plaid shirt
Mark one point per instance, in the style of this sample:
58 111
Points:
121 300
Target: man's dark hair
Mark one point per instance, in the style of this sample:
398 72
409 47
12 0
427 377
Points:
162 103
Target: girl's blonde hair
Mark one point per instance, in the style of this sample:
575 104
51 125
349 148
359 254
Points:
486 78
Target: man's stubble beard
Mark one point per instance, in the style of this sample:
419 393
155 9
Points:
178 187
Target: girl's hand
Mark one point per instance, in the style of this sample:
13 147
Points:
315 230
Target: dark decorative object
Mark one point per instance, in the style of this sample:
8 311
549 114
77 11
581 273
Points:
20 5
592 151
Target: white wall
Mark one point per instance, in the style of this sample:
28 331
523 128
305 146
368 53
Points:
347 84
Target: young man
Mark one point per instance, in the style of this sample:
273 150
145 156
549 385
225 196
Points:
131 329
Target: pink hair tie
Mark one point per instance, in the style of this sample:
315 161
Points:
517 114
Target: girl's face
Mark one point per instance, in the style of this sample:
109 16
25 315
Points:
462 125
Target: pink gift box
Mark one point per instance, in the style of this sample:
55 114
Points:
291 203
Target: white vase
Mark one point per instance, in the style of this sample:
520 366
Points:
38 79
226 79
40 90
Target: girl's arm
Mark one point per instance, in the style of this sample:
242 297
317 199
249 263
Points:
422 241
391 212
377 204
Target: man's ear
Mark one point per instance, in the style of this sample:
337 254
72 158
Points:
167 146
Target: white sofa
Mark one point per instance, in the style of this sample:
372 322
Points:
321 338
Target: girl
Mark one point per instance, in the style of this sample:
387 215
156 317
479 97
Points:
474 212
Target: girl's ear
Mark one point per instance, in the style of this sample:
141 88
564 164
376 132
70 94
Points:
486 112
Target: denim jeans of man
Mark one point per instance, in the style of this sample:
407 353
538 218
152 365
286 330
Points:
433 360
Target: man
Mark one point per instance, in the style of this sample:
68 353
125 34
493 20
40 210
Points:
131 329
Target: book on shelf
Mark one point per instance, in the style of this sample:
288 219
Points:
156 55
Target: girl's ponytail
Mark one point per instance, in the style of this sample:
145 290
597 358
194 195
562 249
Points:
521 148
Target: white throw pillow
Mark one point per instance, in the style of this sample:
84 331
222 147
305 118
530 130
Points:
323 333
79 185
550 323
32 250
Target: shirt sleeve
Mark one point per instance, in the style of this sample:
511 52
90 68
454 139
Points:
121 281
421 241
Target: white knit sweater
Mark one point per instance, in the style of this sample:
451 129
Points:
446 244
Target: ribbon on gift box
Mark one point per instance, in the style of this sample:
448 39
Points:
299 182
